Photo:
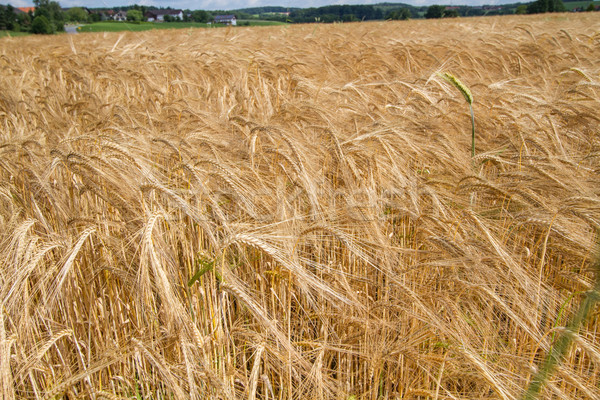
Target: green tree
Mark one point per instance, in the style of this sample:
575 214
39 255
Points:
11 19
76 14
24 21
142 9
53 13
41 25
405 14
450 13
557 6
544 6
539 6
521 9
8 18
401 14
201 16
435 11
134 15
591 7
2 19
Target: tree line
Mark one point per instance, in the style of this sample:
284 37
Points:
48 16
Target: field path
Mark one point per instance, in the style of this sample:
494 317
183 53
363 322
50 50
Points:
71 28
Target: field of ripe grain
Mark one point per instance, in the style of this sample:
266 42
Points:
293 212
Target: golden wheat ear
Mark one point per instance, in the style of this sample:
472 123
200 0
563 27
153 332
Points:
468 98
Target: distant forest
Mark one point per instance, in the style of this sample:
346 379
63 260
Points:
383 11
350 13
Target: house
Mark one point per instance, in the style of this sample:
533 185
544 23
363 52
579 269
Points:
159 15
120 16
26 9
107 15
104 14
225 19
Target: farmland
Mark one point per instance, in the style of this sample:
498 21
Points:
12 34
582 5
112 26
293 212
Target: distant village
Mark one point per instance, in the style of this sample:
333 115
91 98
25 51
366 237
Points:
158 15
149 15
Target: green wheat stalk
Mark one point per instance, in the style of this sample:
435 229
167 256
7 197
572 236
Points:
469 99
559 350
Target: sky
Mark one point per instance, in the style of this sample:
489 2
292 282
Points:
237 4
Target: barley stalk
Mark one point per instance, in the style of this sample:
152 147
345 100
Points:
466 92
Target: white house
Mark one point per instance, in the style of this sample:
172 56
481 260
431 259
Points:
120 16
159 15
225 19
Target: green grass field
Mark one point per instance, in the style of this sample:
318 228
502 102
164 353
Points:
11 33
253 22
571 5
146 26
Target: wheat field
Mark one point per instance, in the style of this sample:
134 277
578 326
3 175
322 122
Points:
293 212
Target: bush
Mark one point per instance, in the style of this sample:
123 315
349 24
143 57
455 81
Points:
134 15
41 25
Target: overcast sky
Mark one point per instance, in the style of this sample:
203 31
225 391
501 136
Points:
236 4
